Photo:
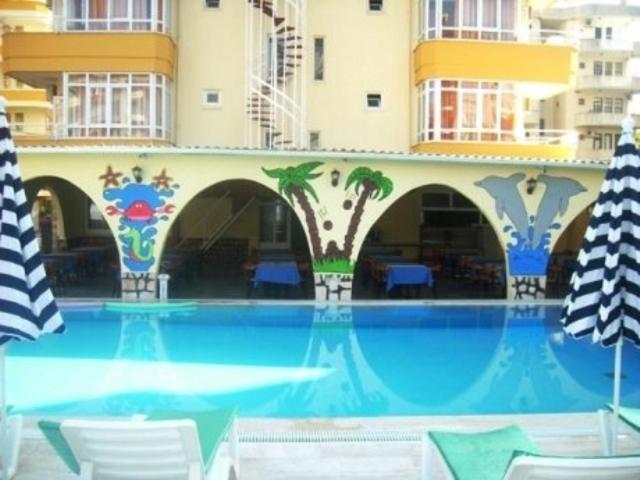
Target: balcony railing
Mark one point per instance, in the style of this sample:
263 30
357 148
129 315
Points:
544 37
599 119
608 45
51 131
605 82
523 136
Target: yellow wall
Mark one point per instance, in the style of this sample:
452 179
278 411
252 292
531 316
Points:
521 150
364 52
211 44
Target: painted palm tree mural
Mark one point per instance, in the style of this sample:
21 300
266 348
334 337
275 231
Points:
333 266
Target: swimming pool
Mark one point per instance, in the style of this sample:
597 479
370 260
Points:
306 361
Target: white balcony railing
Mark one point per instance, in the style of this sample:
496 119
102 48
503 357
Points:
607 45
599 119
604 82
521 136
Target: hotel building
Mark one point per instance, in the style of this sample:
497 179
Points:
213 130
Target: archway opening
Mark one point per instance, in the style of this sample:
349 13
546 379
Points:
437 228
78 249
563 258
237 239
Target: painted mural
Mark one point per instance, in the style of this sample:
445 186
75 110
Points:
530 235
140 207
333 266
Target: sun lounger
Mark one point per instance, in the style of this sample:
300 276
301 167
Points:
629 418
509 454
163 445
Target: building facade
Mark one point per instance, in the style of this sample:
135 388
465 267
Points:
427 123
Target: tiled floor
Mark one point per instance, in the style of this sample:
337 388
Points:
361 460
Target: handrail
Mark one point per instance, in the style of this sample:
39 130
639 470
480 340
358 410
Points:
213 208
215 236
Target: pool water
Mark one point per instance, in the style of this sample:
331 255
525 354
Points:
306 361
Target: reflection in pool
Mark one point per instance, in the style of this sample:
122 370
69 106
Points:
304 361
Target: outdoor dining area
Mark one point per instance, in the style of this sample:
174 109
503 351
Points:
80 263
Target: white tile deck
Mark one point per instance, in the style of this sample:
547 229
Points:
362 460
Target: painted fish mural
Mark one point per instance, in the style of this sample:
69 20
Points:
528 254
140 206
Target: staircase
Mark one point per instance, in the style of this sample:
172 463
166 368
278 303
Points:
274 109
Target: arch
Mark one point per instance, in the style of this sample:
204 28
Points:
85 261
224 226
439 235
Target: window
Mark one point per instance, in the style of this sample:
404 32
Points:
581 65
598 33
318 58
608 141
18 125
608 33
619 69
376 5
115 15
448 210
608 68
597 105
608 105
275 224
212 3
95 219
106 105
618 105
212 98
597 142
314 140
597 68
581 101
466 111
374 101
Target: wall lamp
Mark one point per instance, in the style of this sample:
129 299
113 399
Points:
531 185
335 177
137 173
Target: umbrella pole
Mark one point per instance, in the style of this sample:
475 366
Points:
617 374
3 416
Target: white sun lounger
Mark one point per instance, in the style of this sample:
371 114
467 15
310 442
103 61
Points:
509 454
162 446
14 431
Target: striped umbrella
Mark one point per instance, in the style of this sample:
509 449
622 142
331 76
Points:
604 299
27 307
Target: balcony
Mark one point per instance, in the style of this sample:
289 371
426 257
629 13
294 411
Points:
599 119
39 58
25 98
547 71
601 45
532 144
604 82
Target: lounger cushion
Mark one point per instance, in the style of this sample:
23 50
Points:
212 426
51 431
483 455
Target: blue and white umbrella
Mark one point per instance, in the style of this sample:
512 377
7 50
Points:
27 306
604 299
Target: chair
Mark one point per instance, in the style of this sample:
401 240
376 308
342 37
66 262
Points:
629 418
14 431
161 446
509 454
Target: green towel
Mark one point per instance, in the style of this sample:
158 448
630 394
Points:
212 426
483 455
631 416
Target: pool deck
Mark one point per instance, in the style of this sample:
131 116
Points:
299 449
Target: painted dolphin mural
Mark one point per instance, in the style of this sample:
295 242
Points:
555 201
508 199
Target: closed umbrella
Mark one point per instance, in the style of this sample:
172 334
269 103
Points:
604 298
27 306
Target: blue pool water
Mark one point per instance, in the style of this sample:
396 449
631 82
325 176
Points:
305 361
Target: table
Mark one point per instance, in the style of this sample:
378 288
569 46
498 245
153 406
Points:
277 272
408 274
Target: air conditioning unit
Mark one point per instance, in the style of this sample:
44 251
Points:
587 22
